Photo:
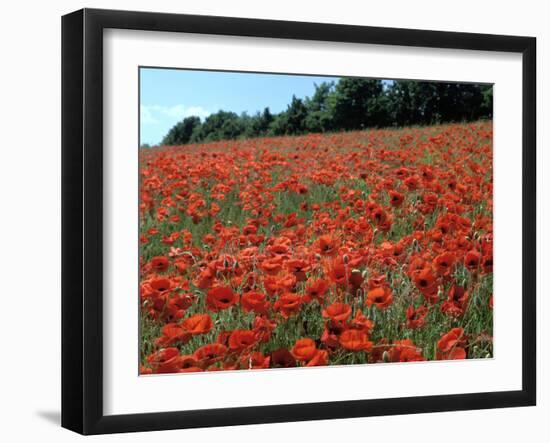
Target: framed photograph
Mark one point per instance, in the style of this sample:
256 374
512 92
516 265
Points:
268 221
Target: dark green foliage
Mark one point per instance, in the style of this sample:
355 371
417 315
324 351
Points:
358 104
257 125
279 125
349 104
424 103
296 116
319 109
220 126
181 133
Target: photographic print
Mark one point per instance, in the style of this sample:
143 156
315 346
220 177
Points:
291 221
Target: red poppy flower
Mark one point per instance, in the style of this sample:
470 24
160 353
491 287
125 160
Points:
288 304
396 198
241 339
197 324
381 297
220 298
427 283
254 301
175 308
339 273
286 281
355 340
255 360
316 290
450 346
487 263
376 281
443 263
161 284
381 219
272 266
143 370
326 245
457 301
304 349
263 328
209 354
172 334
319 359
189 363
472 260
282 358
298 268
181 265
159 263
403 351
339 312
205 278
361 322
416 318
165 361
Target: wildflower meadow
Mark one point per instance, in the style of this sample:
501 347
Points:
358 247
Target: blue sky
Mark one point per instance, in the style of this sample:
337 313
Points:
169 95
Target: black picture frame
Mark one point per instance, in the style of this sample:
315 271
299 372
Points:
82 218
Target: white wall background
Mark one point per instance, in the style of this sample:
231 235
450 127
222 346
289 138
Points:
30 96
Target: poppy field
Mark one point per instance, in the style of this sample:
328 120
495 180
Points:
358 247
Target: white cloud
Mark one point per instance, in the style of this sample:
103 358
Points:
154 114
198 111
146 117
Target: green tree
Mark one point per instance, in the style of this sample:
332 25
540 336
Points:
319 111
258 124
349 104
487 101
296 116
265 120
358 104
291 121
279 125
405 104
181 133
222 125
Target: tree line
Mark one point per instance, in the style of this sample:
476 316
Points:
349 104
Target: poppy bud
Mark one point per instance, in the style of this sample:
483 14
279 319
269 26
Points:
225 263
386 357
318 257
235 264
